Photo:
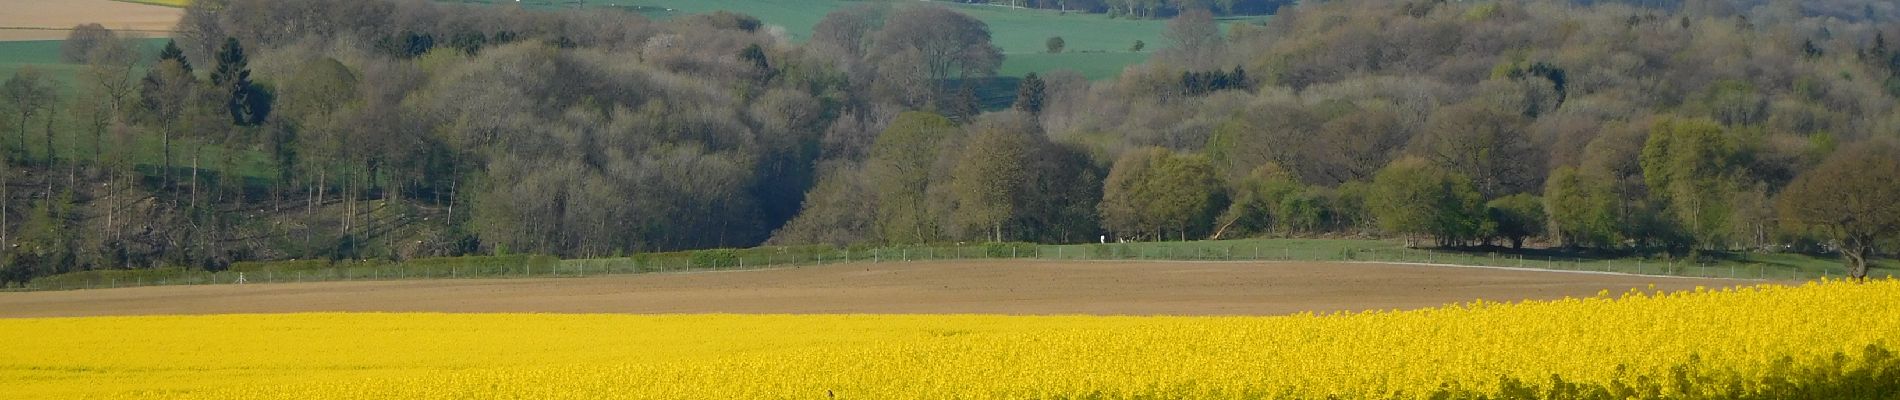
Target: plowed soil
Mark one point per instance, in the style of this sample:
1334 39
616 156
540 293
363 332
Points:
53 19
990 287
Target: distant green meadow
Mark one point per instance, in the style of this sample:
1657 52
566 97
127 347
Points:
1097 46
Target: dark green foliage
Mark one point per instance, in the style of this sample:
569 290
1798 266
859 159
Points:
1030 94
963 105
719 258
171 52
248 102
406 44
1851 201
469 42
1414 198
756 56
1583 211
1157 194
1202 83
1689 166
456 129
900 171
1558 78
1516 217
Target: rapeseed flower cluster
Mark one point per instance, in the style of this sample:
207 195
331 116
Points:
1819 340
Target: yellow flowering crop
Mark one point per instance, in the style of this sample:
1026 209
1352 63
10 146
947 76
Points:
1821 340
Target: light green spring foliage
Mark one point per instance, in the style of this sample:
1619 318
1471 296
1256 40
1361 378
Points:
989 178
900 169
1582 209
1415 197
1689 165
1157 193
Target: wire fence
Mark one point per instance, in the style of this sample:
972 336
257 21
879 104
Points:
495 267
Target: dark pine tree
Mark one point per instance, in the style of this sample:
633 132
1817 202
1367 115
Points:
249 103
172 52
1030 94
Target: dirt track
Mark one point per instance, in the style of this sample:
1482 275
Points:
1009 287
52 19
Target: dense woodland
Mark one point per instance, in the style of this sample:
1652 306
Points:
355 129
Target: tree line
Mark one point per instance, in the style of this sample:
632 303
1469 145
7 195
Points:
1675 128
1148 8
353 129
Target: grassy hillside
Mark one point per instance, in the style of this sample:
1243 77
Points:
73 142
44 55
1097 46
41 54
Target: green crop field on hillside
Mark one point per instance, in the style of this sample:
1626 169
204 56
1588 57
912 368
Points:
71 141
1097 46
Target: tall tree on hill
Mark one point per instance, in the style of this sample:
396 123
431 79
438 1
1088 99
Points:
990 177
1030 94
248 102
1154 191
171 52
1488 145
848 29
1851 200
79 44
201 30
109 82
951 44
1195 40
28 93
1688 165
1414 197
1582 209
900 170
166 95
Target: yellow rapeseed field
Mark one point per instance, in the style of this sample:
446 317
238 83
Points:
1820 340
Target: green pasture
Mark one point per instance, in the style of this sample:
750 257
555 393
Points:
72 140
1097 46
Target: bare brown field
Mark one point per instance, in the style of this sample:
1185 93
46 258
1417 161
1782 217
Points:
995 287
53 19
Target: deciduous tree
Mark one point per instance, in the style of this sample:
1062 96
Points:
1413 197
950 44
1688 165
991 175
1850 199
900 171
1516 217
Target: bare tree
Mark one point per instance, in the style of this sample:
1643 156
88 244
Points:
1195 40
201 30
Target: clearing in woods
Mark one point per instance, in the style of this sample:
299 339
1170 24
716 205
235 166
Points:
54 19
1016 287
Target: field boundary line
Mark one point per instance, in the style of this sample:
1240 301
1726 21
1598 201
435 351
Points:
1522 269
